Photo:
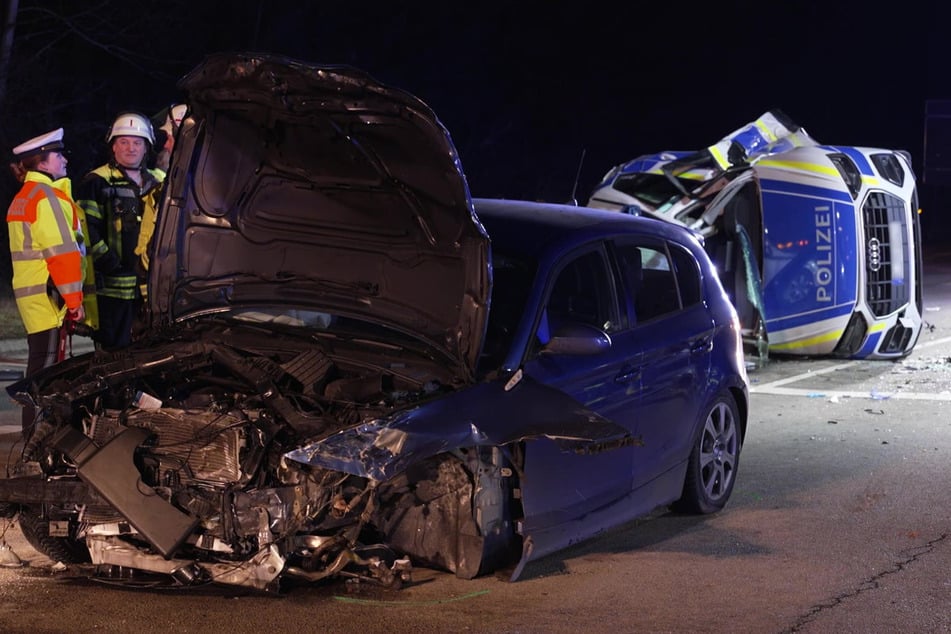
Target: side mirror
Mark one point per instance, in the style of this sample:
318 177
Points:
577 339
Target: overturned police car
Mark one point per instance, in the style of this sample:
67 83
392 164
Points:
819 246
344 376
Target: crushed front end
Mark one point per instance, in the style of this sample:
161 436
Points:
171 459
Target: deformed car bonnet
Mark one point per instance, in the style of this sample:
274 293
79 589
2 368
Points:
319 187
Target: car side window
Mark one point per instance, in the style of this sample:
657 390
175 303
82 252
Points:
583 293
649 280
511 282
688 275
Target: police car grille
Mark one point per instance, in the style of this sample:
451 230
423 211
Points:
887 253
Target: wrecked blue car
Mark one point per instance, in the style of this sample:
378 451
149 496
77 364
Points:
352 368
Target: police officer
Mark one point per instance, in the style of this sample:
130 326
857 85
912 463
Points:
115 197
46 250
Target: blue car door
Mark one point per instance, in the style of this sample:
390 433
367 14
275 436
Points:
562 486
674 334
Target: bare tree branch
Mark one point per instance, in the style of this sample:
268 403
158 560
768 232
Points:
6 45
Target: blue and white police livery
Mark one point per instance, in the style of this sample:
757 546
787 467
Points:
818 245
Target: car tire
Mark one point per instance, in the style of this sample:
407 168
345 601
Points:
36 530
714 458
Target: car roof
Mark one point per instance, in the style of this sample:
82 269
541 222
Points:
531 228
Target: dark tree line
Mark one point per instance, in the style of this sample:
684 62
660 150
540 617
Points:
73 65
525 88
77 64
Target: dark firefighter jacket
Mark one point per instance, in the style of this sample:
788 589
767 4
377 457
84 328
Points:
115 205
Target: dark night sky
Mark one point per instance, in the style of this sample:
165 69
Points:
525 87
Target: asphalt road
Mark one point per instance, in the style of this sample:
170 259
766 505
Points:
839 523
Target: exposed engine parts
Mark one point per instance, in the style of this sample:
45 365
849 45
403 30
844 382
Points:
173 462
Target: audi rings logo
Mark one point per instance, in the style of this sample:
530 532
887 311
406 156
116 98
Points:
874 249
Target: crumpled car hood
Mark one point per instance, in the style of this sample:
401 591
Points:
295 185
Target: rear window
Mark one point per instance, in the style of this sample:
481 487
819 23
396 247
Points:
658 279
688 275
651 189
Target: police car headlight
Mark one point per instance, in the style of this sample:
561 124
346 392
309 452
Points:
849 173
889 168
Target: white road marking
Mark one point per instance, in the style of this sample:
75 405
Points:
776 387
936 342
827 394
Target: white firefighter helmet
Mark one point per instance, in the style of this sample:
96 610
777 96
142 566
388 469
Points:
132 124
174 118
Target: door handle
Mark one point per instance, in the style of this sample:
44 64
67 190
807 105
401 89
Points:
627 374
701 346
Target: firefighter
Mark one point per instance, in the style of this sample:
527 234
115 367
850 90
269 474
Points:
115 197
46 249
168 121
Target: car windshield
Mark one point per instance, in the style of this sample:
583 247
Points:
511 281
651 189
285 316
324 324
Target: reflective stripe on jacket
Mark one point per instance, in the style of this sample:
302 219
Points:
143 247
43 224
90 305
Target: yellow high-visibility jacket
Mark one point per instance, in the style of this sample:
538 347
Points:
45 250
144 245
90 305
